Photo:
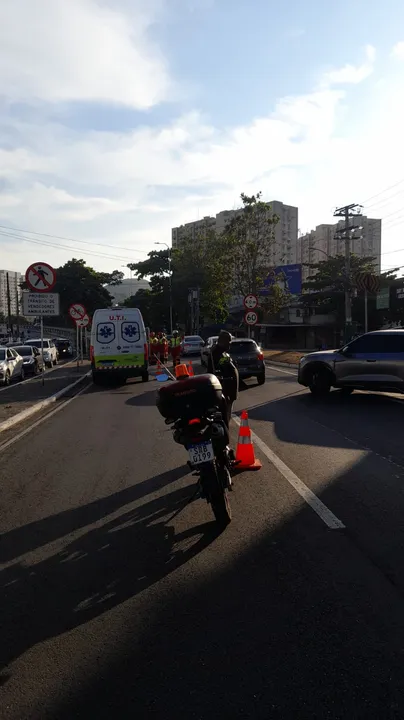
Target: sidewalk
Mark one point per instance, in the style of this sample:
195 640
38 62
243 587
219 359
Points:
20 396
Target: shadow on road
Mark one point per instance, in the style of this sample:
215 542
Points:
36 534
146 399
300 625
301 419
94 573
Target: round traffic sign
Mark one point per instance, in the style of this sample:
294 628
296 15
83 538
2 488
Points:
40 277
77 311
250 301
83 322
251 317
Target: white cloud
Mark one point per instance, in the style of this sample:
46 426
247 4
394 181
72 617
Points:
126 190
62 50
398 50
353 74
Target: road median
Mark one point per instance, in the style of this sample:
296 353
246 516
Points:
284 358
20 401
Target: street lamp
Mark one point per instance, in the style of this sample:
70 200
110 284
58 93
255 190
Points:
169 282
131 284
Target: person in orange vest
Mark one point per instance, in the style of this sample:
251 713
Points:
175 348
161 346
153 347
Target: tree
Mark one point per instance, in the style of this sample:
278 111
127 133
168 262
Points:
325 288
152 306
250 237
78 282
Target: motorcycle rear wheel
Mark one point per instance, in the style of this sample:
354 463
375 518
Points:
219 499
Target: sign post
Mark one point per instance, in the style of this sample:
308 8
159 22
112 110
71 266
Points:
369 283
41 278
250 302
78 313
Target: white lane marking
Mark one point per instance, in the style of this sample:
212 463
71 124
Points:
308 495
27 430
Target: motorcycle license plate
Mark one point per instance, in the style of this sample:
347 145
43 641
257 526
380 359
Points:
201 453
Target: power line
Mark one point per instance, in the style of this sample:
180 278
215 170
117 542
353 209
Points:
391 187
64 247
62 237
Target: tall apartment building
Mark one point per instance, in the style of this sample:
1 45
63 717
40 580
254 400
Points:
14 280
284 249
327 241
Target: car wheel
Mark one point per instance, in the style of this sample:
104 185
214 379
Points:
7 379
49 365
36 369
22 376
261 378
145 377
55 362
320 382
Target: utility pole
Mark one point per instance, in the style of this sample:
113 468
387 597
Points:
9 324
348 212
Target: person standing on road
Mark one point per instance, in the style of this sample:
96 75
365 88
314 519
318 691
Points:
175 348
220 363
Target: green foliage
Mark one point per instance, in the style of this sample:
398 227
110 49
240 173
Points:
155 311
250 237
325 287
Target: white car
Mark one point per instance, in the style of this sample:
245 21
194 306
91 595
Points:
50 353
11 366
191 345
206 348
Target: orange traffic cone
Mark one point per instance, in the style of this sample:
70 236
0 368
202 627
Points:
159 368
190 369
245 457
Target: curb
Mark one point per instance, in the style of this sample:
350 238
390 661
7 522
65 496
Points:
25 414
281 364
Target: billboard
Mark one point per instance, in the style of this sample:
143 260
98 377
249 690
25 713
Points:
288 277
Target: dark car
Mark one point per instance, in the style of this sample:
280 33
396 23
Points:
64 348
31 359
249 359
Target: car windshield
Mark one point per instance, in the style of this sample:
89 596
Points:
37 343
244 346
192 339
24 351
2 354
62 343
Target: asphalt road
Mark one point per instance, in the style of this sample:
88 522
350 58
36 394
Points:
111 608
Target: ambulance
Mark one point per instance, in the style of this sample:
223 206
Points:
119 345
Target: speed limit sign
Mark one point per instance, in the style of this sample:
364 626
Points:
251 317
250 301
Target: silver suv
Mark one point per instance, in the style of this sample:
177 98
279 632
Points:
374 361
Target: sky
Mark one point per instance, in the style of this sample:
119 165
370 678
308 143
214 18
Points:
120 119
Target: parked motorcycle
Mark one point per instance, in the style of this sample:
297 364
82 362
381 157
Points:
192 406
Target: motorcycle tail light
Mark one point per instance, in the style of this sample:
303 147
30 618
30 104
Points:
195 421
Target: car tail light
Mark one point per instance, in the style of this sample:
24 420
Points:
195 421
260 356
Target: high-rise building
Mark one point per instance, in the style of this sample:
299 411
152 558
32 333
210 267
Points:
329 240
14 281
284 248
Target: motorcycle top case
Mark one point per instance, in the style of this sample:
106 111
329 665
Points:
189 396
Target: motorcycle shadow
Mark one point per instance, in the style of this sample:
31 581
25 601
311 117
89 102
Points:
97 571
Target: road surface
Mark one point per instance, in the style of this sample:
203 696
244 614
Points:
112 608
